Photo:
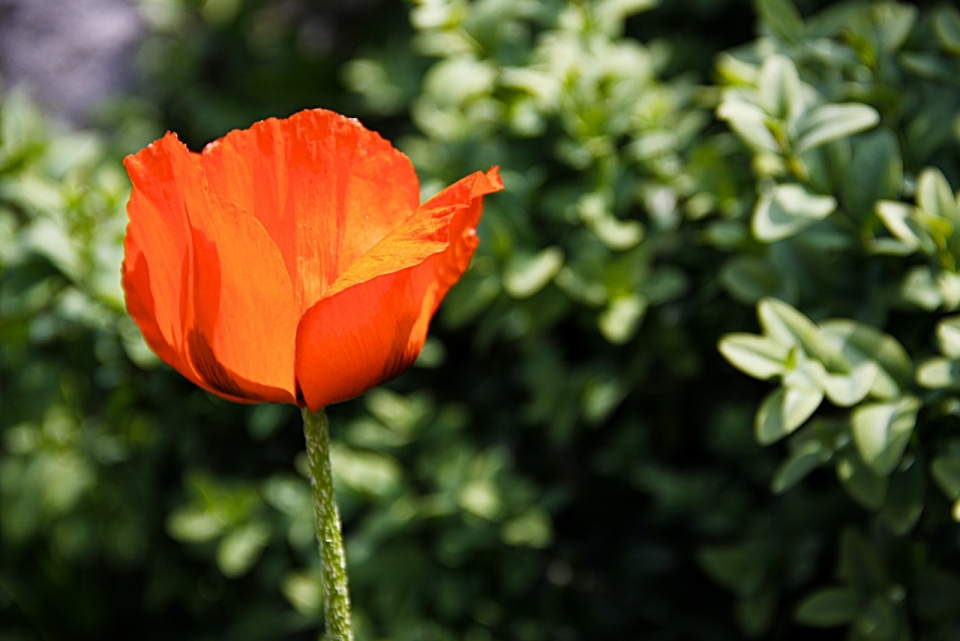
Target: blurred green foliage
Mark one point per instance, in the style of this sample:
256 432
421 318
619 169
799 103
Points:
698 194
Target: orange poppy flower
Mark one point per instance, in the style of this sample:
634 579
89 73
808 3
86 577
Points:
292 262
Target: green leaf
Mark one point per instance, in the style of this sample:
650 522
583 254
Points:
948 335
829 607
304 592
888 247
265 419
832 122
935 197
665 285
70 151
194 526
21 124
739 568
847 390
936 595
473 294
828 167
905 499
805 373
610 14
948 286
876 172
524 276
239 550
881 432
480 497
879 621
779 87
860 563
749 278
757 356
365 471
931 66
621 320
531 529
455 80
894 22
861 483
618 235
755 612
900 221
782 16
601 398
398 412
736 71
946 472
938 373
919 288
783 411
797 466
749 122
785 324
947 27
860 343
788 209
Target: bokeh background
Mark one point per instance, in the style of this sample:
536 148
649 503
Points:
588 447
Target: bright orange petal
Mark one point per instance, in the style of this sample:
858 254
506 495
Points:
467 196
242 335
372 327
156 248
138 290
451 215
205 282
325 189
157 235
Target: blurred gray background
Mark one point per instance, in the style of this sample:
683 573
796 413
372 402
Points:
69 53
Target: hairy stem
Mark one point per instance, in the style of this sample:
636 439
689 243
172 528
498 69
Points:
333 561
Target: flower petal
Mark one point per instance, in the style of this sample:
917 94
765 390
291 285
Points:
243 330
452 213
190 284
158 235
138 289
467 195
325 188
373 326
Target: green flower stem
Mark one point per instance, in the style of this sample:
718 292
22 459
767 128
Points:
333 561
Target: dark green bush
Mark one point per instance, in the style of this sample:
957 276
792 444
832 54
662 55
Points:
582 451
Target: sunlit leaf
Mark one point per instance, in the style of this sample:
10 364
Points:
938 373
779 87
240 549
532 529
948 336
758 356
787 210
783 411
620 321
525 276
861 343
834 121
881 432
